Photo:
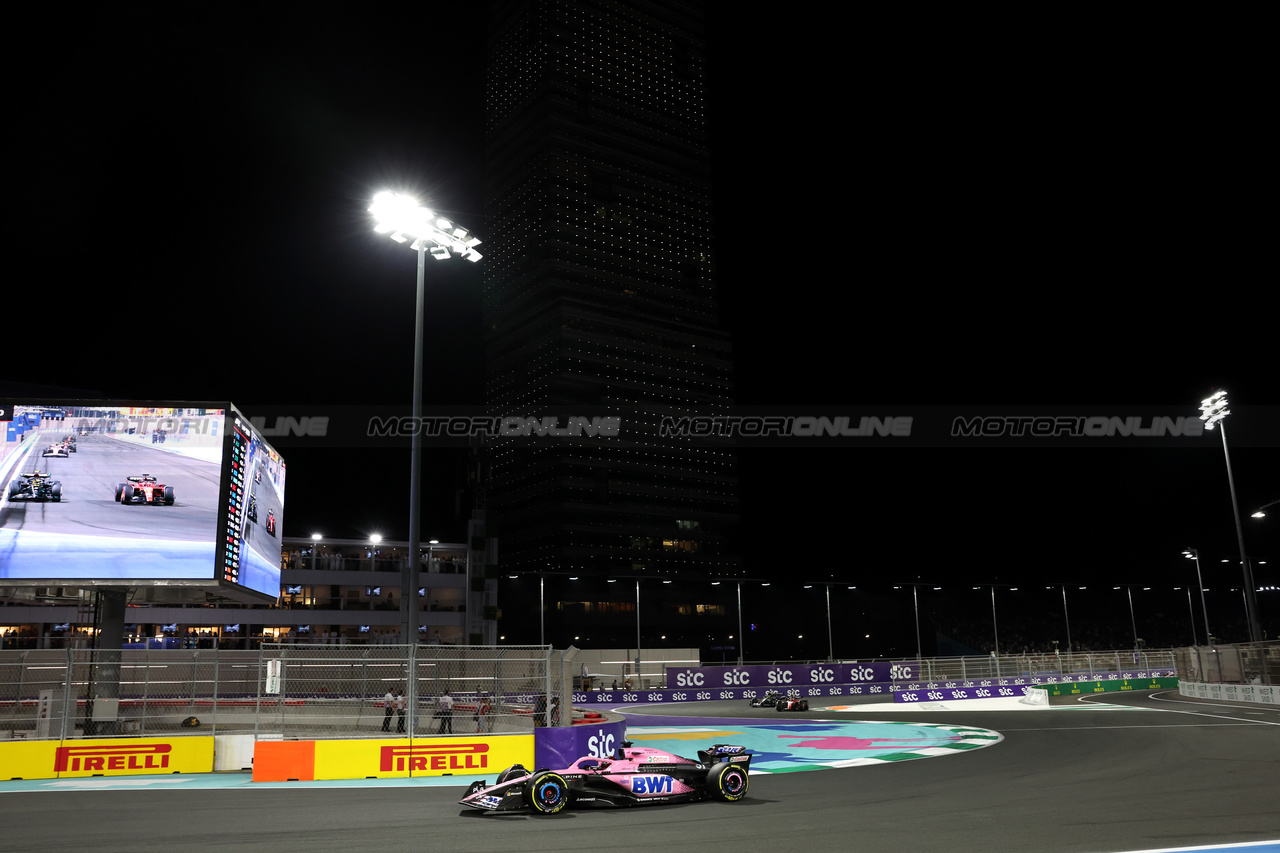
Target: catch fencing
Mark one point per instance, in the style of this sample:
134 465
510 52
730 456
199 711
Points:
283 691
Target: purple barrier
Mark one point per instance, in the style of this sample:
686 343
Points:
558 747
781 677
940 694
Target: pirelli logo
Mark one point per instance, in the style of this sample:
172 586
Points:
453 756
72 759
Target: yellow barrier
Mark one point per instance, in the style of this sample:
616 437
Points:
53 759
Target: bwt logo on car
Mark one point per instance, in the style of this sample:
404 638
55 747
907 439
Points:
779 676
396 758
689 678
818 676
74 758
862 673
737 676
651 784
600 745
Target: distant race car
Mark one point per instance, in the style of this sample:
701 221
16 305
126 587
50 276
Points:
69 442
56 450
792 703
634 776
144 489
766 700
271 522
253 508
35 486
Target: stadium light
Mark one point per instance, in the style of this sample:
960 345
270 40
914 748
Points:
401 217
1213 411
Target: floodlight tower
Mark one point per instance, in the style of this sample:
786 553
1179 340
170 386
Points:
1213 411
403 219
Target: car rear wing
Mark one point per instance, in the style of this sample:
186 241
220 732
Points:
723 753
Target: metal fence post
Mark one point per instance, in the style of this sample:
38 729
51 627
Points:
257 705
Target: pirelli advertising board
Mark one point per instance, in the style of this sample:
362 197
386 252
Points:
52 759
304 761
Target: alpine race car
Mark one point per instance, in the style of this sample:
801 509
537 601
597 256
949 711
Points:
56 450
792 703
35 486
634 776
144 489
766 700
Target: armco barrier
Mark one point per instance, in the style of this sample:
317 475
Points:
308 760
65 759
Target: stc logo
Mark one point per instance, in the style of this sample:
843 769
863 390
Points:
601 745
651 784
779 676
737 676
862 673
689 678
817 676
900 671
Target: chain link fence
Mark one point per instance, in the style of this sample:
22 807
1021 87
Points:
286 691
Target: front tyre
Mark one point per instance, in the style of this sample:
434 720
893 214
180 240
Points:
727 782
546 792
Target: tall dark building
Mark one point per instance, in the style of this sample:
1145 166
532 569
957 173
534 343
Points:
600 294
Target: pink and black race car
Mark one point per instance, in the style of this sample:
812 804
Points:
634 776
144 489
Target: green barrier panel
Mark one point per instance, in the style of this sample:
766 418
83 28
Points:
1086 688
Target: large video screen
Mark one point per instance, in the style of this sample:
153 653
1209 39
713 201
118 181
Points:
138 494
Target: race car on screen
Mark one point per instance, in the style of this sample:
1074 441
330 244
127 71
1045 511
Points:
766 700
35 486
792 703
634 776
56 450
271 522
144 489
69 442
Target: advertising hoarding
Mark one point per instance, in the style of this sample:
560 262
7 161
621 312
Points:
110 493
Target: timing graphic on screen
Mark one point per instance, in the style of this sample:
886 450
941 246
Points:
138 493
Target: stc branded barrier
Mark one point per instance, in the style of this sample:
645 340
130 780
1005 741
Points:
560 746
55 759
308 760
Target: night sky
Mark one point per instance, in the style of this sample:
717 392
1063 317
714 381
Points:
908 215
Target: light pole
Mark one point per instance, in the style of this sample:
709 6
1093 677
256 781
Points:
403 218
915 603
1193 554
1213 411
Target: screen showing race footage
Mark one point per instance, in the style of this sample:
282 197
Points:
250 554
108 491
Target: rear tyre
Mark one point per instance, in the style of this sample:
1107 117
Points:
56 491
119 489
546 792
727 782
126 495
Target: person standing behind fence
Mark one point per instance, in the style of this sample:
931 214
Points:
540 711
389 702
482 715
446 714
402 705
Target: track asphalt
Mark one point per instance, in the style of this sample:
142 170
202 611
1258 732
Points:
1143 771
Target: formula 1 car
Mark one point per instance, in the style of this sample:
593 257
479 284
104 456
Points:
144 489
766 700
253 508
35 486
634 776
271 522
56 450
792 703
69 442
